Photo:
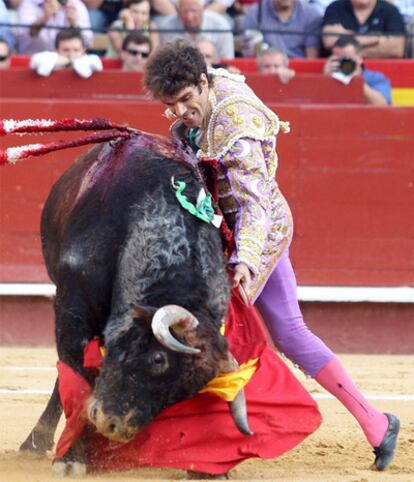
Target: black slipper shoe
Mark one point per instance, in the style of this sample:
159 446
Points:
384 453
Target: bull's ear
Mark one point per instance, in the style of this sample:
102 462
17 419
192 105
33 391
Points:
143 315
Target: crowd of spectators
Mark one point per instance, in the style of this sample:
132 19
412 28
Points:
135 16
273 30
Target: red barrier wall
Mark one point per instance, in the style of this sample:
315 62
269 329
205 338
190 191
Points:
399 71
345 327
115 84
346 170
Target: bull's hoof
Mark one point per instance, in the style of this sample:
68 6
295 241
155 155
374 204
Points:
71 468
205 476
37 443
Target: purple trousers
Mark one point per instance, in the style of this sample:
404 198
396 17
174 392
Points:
279 307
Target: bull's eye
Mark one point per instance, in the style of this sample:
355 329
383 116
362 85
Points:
158 358
158 362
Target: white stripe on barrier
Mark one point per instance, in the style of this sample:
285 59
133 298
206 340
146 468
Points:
397 397
20 391
26 369
373 294
316 396
27 289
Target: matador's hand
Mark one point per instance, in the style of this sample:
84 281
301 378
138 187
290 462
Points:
243 276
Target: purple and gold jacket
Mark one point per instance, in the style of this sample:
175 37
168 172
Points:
240 134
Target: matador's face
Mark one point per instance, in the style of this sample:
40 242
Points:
190 104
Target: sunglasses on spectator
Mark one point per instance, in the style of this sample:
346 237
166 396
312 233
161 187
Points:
135 53
3 57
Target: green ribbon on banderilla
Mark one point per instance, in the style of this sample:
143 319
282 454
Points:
203 209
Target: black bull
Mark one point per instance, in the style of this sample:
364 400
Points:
130 264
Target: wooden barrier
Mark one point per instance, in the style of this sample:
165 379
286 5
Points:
302 88
115 84
345 327
399 71
346 170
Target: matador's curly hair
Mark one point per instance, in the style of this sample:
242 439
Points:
173 66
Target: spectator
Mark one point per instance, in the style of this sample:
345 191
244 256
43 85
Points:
4 54
70 52
209 51
274 61
410 43
135 17
285 16
362 17
219 6
406 8
320 5
192 19
162 8
136 49
103 12
43 14
346 60
5 31
12 4
240 7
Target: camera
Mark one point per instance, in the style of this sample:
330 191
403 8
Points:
347 65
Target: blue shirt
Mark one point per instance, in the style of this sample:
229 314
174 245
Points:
304 18
378 82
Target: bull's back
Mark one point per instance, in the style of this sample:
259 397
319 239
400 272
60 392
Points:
96 205
59 206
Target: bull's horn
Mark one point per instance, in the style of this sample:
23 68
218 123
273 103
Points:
239 413
181 320
238 405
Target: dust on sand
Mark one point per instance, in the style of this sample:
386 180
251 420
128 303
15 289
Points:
337 452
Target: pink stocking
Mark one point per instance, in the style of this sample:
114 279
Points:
336 381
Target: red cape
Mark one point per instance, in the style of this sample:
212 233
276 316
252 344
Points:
199 434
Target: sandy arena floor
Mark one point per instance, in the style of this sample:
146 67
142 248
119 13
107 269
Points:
337 452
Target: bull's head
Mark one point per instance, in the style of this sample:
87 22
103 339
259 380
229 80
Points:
146 369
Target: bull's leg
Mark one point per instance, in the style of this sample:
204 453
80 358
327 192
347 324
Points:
73 463
40 438
75 327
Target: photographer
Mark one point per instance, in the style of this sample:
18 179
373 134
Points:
346 62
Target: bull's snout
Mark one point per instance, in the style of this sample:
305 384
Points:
111 426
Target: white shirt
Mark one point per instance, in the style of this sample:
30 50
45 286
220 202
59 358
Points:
45 62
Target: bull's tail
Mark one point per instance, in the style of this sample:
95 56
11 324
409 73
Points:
41 126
